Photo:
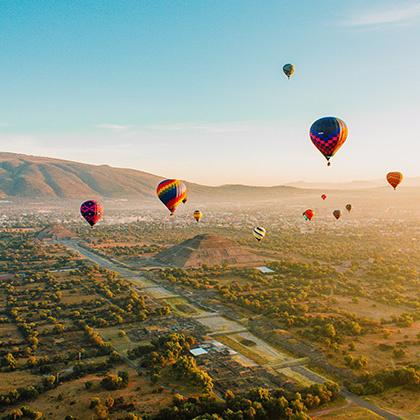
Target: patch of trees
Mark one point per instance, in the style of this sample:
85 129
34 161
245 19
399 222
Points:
259 403
115 381
376 383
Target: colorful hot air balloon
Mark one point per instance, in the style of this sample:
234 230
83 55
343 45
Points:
348 207
337 214
172 192
308 214
324 197
328 135
198 215
288 70
259 233
92 211
394 179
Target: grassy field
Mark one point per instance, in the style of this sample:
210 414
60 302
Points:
404 402
73 399
182 307
247 352
345 413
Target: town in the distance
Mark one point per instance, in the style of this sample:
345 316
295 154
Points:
152 316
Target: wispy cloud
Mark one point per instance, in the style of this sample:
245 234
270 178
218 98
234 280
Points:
401 13
112 127
229 127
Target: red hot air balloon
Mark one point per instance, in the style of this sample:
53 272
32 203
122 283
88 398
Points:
308 214
92 211
324 197
394 179
328 135
337 214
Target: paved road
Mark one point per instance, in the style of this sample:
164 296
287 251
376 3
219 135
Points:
304 371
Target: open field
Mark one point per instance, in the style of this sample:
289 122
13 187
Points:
140 396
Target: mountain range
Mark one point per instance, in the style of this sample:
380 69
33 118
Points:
25 176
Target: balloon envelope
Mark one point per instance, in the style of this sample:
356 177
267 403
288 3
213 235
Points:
197 215
288 70
328 135
337 214
92 211
259 233
394 178
308 214
172 192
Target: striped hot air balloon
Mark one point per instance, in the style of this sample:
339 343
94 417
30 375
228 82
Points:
197 215
259 233
92 211
394 179
172 192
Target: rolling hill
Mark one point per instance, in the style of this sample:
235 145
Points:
24 176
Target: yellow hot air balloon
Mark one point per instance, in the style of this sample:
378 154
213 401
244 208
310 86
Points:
198 215
259 233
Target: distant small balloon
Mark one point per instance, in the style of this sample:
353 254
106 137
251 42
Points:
308 214
288 70
197 215
259 233
324 197
394 179
337 214
92 211
348 207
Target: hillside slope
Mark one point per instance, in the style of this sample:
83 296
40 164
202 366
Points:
23 176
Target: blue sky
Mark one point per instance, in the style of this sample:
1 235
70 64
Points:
194 89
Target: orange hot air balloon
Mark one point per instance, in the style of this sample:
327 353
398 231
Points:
394 179
308 214
324 197
197 215
337 214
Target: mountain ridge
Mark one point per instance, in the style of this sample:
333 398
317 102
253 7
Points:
28 177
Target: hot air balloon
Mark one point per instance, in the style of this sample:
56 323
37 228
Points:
259 233
288 70
92 211
324 197
172 192
337 214
308 214
348 207
328 135
198 215
394 179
